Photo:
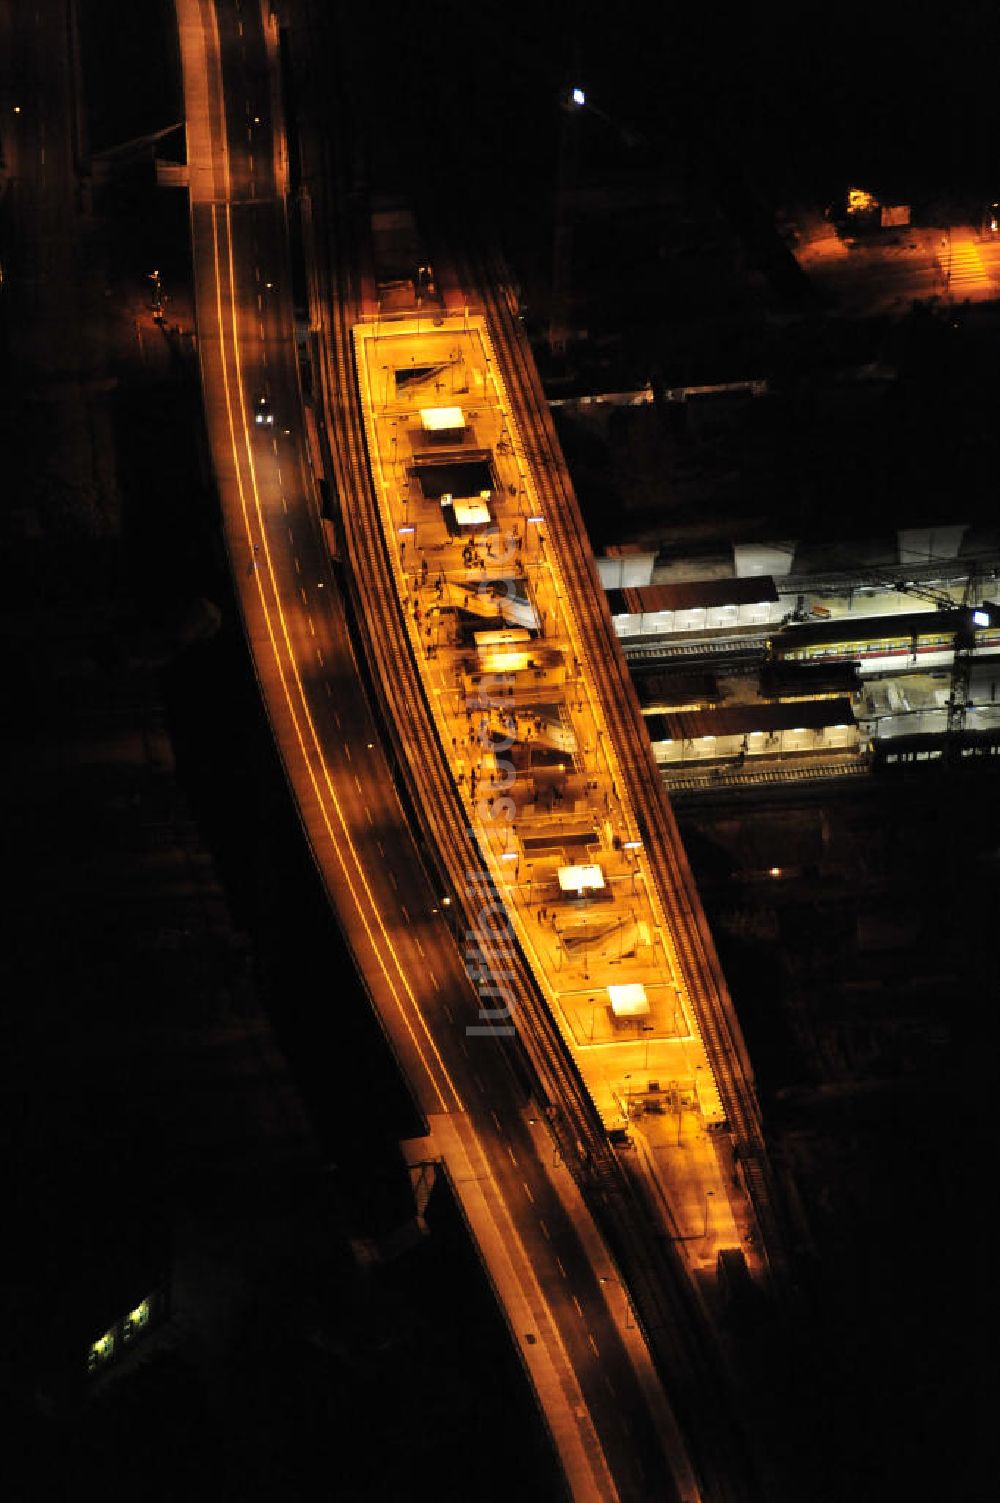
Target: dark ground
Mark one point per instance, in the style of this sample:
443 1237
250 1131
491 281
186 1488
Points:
865 978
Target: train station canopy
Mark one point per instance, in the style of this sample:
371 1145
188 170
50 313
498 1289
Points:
691 595
472 512
441 419
580 878
629 1001
751 719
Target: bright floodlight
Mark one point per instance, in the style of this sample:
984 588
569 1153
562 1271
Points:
980 618
578 97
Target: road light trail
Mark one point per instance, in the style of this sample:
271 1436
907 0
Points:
355 880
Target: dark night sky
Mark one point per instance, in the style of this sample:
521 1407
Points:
807 96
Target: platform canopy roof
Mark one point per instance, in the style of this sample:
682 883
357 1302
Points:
692 594
629 1001
750 719
472 513
441 419
580 878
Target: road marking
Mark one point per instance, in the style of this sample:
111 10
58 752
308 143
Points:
496 1120
447 1012
369 814
406 912
545 1231
420 947
479 1083
256 272
392 879
250 162
319 654
609 1386
461 1045
239 26
298 566
597 1350
347 749
260 325
311 627
284 505
527 1191
303 594
512 1157
380 850
277 466
434 981
291 536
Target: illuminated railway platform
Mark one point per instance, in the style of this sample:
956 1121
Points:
505 668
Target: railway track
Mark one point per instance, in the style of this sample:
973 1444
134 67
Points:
705 783
738 652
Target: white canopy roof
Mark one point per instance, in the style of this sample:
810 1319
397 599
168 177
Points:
629 1001
441 419
577 878
472 513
